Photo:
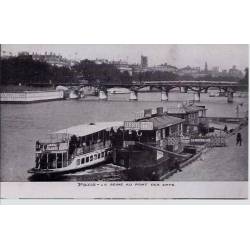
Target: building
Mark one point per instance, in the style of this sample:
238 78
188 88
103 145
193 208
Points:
53 59
155 128
5 54
193 115
190 71
234 72
158 68
123 66
101 61
162 68
215 72
224 73
24 55
144 61
206 68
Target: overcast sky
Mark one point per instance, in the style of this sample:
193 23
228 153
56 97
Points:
223 56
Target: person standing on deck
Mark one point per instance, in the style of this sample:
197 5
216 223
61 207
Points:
238 139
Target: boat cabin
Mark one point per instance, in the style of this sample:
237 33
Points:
144 144
82 144
159 129
193 116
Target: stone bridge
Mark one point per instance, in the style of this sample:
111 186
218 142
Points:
166 86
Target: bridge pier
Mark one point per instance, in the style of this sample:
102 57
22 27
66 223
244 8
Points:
164 96
183 89
133 95
197 96
82 94
102 95
230 96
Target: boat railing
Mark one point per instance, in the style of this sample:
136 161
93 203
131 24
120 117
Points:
84 149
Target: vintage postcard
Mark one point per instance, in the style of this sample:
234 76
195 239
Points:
124 121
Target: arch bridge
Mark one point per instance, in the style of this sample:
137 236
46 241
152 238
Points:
166 86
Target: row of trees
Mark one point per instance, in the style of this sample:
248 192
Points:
93 72
27 71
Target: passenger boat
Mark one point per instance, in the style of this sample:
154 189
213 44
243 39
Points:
75 148
74 94
213 94
118 91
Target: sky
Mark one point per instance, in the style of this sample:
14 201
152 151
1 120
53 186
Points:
181 55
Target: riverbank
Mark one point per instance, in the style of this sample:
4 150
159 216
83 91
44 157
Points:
31 96
23 88
228 163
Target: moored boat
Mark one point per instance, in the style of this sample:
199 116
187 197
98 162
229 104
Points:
118 91
75 148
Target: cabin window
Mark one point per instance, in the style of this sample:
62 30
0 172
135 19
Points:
99 155
38 159
91 158
95 157
87 159
158 135
59 160
163 133
51 161
103 154
95 137
44 161
65 160
83 161
78 162
174 129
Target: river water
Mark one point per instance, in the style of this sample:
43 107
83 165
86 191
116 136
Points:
23 124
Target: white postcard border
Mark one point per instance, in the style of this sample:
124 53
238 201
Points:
124 190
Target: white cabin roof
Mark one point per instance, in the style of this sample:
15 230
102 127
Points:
86 129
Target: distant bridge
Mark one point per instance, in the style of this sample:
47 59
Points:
203 84
165 86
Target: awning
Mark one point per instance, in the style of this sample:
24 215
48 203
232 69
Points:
91 128
164 121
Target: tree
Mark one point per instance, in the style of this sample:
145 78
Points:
245 80
27 71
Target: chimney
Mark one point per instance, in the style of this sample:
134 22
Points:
159 111
147 113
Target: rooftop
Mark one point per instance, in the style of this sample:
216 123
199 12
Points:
163 121
185 110
86 129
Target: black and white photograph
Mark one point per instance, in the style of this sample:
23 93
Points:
124 124
125 114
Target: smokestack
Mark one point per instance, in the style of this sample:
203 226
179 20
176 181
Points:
147 112
159 111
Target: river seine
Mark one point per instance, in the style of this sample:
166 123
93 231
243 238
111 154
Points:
23 124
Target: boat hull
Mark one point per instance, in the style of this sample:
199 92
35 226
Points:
94 158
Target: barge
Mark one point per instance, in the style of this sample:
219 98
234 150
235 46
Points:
149 146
